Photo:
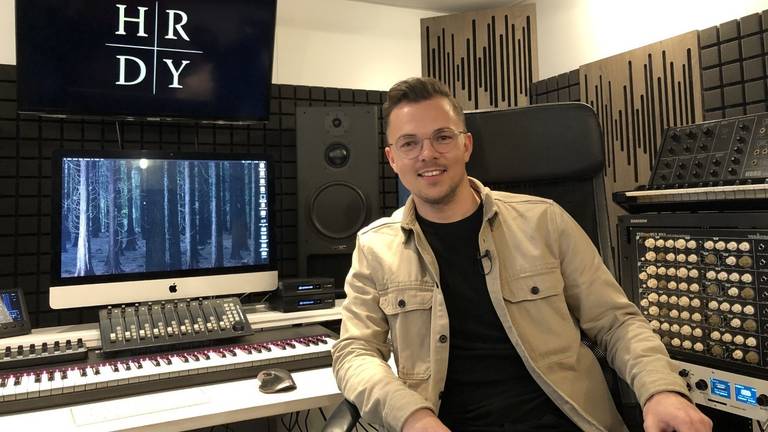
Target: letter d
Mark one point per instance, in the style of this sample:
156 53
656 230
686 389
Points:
142 71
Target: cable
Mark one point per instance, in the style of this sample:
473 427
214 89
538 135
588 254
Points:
119 138
322 413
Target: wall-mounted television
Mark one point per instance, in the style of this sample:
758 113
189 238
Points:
131 226
200 60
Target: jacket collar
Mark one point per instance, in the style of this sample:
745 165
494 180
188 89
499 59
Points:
408 222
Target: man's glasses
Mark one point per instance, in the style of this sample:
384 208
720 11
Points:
443 141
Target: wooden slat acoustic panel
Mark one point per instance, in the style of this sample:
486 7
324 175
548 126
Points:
487 58
637 94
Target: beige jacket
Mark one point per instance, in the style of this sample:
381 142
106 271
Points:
547 281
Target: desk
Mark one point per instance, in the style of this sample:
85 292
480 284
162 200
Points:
186 408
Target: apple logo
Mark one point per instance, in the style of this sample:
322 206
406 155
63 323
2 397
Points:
172 288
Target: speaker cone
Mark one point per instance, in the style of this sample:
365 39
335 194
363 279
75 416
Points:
338 210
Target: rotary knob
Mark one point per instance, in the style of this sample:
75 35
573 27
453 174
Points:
734 277
659 243
732 246
736 308
695 302
733 291
747 293
651 270
751 342
746 278
674 328
752 357
735 323
744 246
710 259
727 337
674 313
697 332
701 385
672 285
685 315
738 340
693 258
745 262
644 303
664 326
723 276
698 347
682 272
669 243
749 310
681 258
680 243
715 320
676 342
750 325
686 330
655 324
713 305
653 297
652 283
653 310
673 299
693 272
663 298
691 244
671 271
711 275
643 276
683 286
670 257
709 245
694 287
715 335
720 245
650 256
737 355
662 271
684 301
731 260
649 243
687 344
762 400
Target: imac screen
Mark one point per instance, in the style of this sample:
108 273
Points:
136 217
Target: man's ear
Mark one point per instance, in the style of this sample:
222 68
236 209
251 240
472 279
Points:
391 158
468 145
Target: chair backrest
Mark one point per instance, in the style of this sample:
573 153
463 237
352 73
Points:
549 150
554 151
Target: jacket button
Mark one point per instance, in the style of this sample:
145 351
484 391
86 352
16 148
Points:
534 290
443 338
401 303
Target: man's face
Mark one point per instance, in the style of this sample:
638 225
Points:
432 177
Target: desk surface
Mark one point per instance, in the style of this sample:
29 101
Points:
186 408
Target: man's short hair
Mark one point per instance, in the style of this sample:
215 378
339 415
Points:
419 89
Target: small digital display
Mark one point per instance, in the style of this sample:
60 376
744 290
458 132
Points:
307 287
745 394
720 388
308 302
10 307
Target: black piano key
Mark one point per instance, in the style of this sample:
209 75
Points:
220 354
51 375
63 373
205 355
17 380
115 367
155 362
3 381
83 372
38 377
231 352
167 360
183 358
137 364
194 357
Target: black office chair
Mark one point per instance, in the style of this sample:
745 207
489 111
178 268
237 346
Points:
554 151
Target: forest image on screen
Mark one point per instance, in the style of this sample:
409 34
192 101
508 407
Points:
123 216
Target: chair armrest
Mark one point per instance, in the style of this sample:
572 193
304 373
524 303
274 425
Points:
343 418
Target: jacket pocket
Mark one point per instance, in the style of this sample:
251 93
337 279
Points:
408 307
536 304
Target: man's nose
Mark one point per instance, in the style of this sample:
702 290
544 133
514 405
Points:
427 151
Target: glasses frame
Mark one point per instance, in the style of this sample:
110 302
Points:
421 140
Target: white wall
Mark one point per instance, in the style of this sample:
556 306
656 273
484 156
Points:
329 43
341 43
575 32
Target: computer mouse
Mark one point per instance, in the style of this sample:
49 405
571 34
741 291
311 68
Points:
275 380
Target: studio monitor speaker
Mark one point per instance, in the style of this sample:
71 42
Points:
337 170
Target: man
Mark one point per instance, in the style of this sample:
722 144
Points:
491 340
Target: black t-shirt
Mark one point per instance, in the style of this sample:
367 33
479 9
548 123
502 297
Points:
488 386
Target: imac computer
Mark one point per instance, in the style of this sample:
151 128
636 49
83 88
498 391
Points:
136 226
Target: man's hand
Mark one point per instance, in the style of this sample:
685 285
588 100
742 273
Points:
423 420
669 411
